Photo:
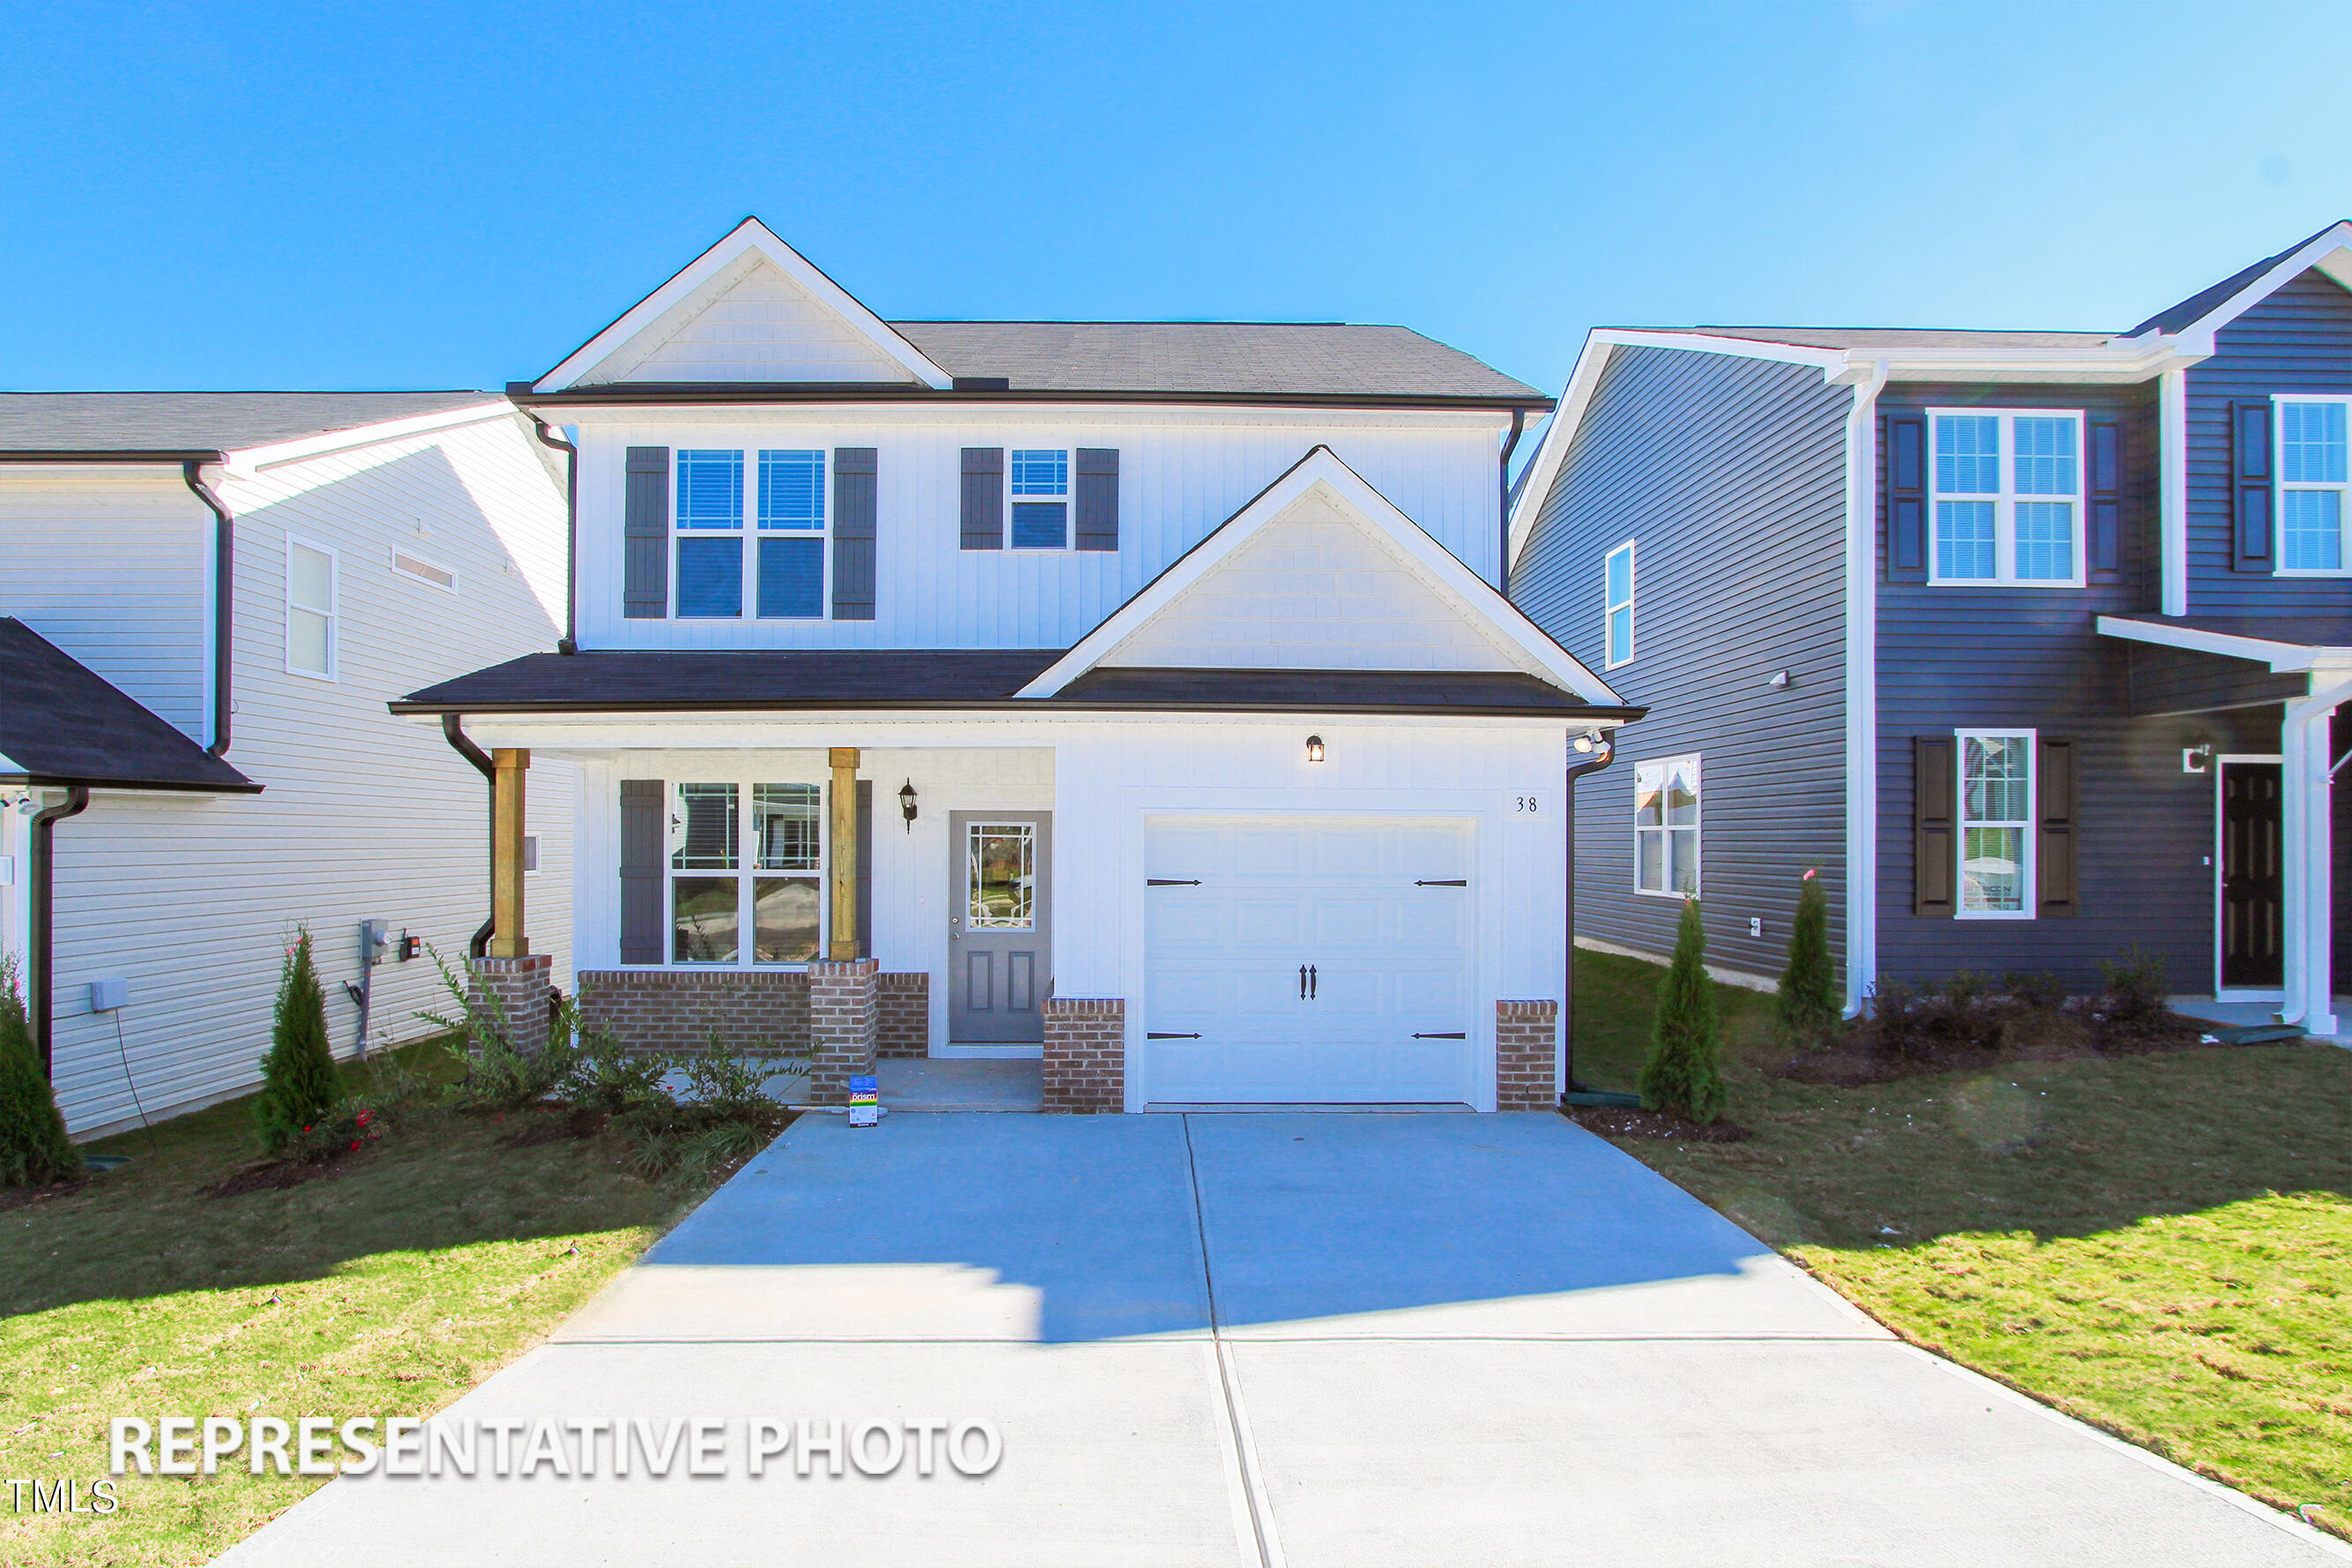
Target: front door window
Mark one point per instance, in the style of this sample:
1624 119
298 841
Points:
1001 881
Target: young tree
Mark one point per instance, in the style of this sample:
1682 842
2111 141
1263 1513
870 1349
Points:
1805 1018
34 1150
1683 1076
300 1084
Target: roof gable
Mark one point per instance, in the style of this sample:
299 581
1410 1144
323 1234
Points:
2197 318
1321 571
749 308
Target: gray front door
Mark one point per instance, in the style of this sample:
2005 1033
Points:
1000 926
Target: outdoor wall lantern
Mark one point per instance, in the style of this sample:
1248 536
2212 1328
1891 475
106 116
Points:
1585 741
906 804
1313 748
2196 759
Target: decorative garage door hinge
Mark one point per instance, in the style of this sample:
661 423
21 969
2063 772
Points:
1442 882
1443 1035
1155 1035
1171 881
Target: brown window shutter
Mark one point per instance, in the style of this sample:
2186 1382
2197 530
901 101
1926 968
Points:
644 837
1933 800
1904 441
2056 852
2249 485
983 497
645 528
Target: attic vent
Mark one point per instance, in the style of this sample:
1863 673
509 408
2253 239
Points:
424 570
983 383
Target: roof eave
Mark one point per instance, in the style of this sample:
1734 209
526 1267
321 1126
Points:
1030 705
65 781
117 455
753 393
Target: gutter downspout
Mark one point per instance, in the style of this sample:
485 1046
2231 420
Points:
453 729
1568 1080
1861 691
1503 508
569 642
224 593
43 856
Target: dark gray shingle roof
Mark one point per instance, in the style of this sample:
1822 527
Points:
201 421
2185 314
61 722
1904 339
1320 358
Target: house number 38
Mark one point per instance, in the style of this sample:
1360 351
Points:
1526 803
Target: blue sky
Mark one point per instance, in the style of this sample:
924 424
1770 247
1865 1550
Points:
455 196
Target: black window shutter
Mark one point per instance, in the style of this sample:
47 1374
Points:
1097 498
644 837
1905 445
2056 853
1933 801
864 867
854 502
644 582
983 497
2249 485
2105 514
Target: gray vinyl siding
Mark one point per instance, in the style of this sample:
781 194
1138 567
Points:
2178 680
1966 658
1729 474
2298 340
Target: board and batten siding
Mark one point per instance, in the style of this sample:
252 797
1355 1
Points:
1180 474
1981 658
114 566
2297 340
1729 474
363 816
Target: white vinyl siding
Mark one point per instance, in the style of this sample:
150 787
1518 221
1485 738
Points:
1617 605
310 613
2313 507
1996 838
1667 827
2007 503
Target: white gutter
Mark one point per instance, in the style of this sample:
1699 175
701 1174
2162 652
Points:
1861 690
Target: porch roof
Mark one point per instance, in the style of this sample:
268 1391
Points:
63 723
2285 643
620 682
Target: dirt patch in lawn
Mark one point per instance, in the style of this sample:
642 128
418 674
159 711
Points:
274 1176
1859 1061
20 1198
1610 1121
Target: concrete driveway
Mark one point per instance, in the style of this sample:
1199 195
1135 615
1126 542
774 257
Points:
1342 1340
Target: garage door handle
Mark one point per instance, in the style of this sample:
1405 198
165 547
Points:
1302 983
1310 983
1443 1035
1155 1035
1444 882
1171 881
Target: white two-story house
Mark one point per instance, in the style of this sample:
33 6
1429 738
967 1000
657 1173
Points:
1137 695
205 600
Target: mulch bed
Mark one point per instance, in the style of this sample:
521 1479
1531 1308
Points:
274 1176
554 1124
1854 1064
1612 1122
18 1197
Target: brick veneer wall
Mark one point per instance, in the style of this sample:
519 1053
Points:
1085 1053
905 1001
676 1009
845 1021
519 988
1525 1033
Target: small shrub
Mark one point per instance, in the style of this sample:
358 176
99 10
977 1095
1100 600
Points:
2037 989
606 1078
34 1148
344 1129
724 1115
497 1076
2135 988
300 1084
1806 1012
1683 1076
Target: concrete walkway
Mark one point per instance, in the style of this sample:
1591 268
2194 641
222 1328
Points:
1342 1340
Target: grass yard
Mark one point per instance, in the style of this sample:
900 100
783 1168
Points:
437 1257
2158 1245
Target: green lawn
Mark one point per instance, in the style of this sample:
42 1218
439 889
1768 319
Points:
2160 1245
436 1257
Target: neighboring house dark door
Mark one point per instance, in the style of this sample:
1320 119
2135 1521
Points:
1000 926
2254 879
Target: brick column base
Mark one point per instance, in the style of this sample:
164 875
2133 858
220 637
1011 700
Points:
845 1018
1085 1053
519 986
1524 1033
906 1003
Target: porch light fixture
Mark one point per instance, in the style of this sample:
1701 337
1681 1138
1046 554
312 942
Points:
1587 741
1313 748
2196 759
906 804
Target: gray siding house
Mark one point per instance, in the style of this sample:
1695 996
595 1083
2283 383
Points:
2030 644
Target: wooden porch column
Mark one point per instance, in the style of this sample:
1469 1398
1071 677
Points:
844 944
506 937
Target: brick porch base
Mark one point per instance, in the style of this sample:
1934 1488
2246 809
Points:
1525 1033
1085 1053
518 985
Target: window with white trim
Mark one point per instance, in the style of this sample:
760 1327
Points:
1617 605
311 609
709 546
1996 838
2007 497
1665 828
409 565
1038 483
741 899
2313 507
781 575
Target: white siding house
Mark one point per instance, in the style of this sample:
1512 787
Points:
376 541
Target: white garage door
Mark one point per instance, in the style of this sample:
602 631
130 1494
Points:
1307 961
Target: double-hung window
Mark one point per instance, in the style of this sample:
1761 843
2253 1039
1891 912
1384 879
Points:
1617 603
1665 828
1040 486
2008 503
709 535
791 535
311 611
782 576
727 883
2312 470
1996 825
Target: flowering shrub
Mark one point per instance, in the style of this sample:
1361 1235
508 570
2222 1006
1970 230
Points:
344 1129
